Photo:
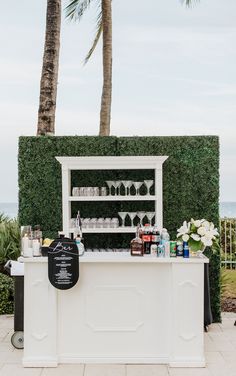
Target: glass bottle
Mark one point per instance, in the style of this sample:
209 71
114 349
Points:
136 245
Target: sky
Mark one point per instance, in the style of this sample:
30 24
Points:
173 74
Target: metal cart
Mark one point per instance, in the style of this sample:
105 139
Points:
16 269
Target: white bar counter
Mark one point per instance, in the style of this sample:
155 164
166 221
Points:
123 309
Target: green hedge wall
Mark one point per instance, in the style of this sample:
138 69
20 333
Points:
190 184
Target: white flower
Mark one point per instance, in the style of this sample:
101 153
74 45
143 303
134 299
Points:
195 237
201 231
185 237
183 229
206 241
206 224
197 223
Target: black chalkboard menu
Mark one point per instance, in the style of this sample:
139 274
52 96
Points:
63 263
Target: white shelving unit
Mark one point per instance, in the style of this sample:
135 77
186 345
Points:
110 163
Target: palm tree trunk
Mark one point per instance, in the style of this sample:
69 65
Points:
49 76
105 113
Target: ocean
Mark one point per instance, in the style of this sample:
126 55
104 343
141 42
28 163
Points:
227 209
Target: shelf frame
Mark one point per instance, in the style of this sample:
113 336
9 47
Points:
111 163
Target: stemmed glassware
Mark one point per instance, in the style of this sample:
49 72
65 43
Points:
122 216
117 184
132 215
141 215
127 184
148 184
137 185
110 183
150 216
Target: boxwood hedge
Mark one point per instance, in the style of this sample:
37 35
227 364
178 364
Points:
190 184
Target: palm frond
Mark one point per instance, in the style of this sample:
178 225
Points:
97 37
189 3
76 8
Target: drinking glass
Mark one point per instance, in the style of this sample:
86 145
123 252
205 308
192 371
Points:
75 191
100 222
148 184
141 215
107 223
86 223
96 191
117 185
114 222
127 184
122 216
150 216
132 215
137 185
110 184
93 223
103 191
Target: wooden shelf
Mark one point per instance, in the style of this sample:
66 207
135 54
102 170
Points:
113 198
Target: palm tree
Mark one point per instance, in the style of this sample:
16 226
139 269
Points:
49 75
74 11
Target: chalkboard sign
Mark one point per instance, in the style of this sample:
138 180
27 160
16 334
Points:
63 263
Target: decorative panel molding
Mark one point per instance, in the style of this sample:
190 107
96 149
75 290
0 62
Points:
118 308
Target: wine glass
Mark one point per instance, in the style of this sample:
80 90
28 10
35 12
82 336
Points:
110 183
150 216
127 184
122 216
132 215
137 185
148 184
141 215
117 184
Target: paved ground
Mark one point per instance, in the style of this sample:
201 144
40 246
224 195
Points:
220 350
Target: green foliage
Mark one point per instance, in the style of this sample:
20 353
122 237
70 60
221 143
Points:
190 185
9 239
6 294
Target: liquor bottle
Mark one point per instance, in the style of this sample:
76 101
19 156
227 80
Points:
147 239
78 223
165 240
155 241
136 245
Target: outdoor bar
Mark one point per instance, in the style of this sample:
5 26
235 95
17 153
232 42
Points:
120 308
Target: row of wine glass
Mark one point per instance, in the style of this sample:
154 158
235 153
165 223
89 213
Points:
114 188
117 184
114 222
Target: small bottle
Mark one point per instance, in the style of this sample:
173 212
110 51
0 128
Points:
78 222
80 245
136 245
146 237
165 240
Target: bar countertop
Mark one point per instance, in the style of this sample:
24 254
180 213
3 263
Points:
123 257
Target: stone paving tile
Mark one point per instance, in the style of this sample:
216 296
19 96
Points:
18 370
146 370
15 356
64 370
3 356
216 328
5 346
225 370
105 370
214 357
190 372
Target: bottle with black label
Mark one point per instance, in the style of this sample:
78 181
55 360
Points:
147 239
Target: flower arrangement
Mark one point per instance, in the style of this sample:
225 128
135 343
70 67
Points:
198 233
